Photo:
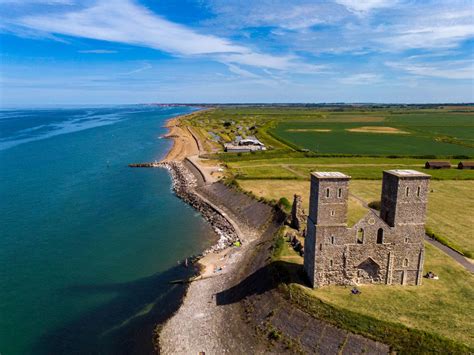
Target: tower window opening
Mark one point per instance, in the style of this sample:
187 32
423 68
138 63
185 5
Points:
320 247
333 240
406 239
380 236
360 236
407 191
331 263
339 193
333 212
405 262
418 191
327 192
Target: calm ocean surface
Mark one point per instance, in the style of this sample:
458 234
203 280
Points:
88 245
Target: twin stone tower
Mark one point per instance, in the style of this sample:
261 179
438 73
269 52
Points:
386 248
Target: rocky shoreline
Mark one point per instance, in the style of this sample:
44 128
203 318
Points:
184 185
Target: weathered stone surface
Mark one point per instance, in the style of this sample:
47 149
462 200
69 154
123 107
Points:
386 248
297 214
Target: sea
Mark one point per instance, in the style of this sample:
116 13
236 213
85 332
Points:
88 246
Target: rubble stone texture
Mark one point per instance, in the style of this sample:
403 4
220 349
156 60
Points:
386 248
297 214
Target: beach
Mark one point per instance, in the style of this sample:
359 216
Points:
198 324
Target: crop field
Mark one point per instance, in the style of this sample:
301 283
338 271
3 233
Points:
439 134
365 168
450 206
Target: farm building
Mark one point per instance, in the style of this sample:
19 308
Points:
437 165
242 145
466 165
232 148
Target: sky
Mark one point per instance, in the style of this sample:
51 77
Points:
56 52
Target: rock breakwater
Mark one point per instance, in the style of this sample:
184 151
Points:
184 185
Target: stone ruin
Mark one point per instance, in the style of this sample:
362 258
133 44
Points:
297 214
384 248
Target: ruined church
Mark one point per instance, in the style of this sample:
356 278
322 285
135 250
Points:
385 248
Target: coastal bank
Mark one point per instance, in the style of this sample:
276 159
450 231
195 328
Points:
234 304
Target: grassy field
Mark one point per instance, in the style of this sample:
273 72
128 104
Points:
442 307
436 133
450 206
365 168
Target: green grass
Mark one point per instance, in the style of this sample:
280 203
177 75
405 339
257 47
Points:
361 168
434 317
420 141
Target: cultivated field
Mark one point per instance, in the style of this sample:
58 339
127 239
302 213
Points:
437 133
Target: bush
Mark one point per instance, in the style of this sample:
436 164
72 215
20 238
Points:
376 205
274 334
283 202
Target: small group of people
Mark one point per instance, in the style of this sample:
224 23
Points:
431 275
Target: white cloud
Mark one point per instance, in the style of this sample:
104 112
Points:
429 37
242 72
361 79
146 66
449 69
126 22
294 15
364 6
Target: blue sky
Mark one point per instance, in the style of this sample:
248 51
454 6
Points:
137 51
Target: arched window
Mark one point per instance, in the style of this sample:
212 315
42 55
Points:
380 236
360 236
405 262
320 246
418 191
333 212
407 191
331 263
407 239
339 193
333 240
327 192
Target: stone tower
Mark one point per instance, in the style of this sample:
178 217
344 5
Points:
386 248
404 197
327 219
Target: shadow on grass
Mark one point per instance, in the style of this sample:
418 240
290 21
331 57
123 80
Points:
123 325
263 280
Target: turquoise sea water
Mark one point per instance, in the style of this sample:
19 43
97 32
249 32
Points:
87 245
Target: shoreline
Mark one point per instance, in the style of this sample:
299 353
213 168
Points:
219 265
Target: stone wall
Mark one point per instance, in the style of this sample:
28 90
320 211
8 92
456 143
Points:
372 251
